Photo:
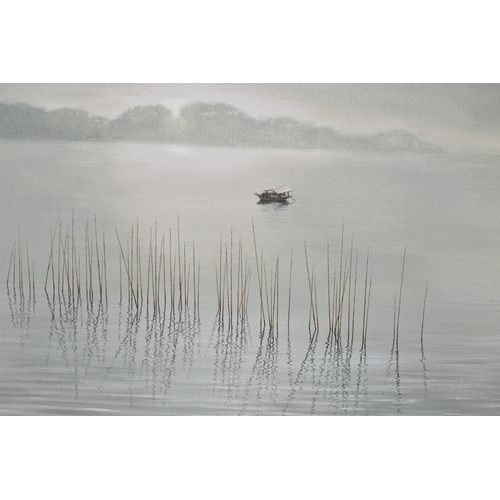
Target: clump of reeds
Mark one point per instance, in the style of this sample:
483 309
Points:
336 294
21 272
269 289
169 273
127 259
232 281
342 290
139 281
64 271
183 271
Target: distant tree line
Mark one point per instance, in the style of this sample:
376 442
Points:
198 124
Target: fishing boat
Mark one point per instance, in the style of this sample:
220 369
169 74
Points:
280 194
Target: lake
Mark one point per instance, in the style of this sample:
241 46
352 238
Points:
209 303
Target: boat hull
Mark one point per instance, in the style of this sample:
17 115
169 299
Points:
263 199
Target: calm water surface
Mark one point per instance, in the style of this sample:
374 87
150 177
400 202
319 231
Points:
59 356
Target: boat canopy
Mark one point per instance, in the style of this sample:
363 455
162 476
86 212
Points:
282 189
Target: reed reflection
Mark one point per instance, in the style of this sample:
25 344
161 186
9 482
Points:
361 390
21 277
422 359
230 350
181 327
150 370
148 348
424 369
328 382
306 367
21 287
261 389
393 364
335 378
21 308
66 319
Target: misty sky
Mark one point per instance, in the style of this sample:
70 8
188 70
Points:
458 117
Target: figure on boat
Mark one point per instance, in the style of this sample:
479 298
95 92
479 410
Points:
280 194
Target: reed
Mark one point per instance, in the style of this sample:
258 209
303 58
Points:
138 263
423 316
87 279
313 306
262 284
20 274
132 261
50 263
59 259
330 322
171 271
185 276
349 294
159 274
340 304
188 284
354 298
223 280
259 278
277 291
164 265
194 278
269 320
217 288
290 289
78 281
99 276
131 288
218 275
247 288
338 315
154 268
231 281
73 259
12 258
394 322
105 266
400 296
150 265
316 301
33 277
198 290
365 327
65 268
365 304
179 256
239 283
